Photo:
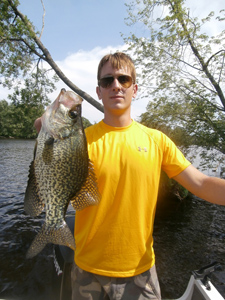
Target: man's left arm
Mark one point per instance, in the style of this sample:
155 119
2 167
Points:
211 189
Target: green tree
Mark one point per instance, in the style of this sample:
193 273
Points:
5 119
27 103
18 63
17 120
182 69
21 49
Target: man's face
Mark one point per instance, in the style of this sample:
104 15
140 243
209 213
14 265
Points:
116 99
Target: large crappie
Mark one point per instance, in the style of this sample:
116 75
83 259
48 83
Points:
60 172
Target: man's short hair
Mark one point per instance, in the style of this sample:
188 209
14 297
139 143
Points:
118 60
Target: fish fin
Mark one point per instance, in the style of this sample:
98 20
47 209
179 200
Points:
60 236
33 205
47 153
88 194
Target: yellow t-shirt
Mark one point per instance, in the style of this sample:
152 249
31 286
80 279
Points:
114 238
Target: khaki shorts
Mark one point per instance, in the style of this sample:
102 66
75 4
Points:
89 286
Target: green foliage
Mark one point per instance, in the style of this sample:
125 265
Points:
34 91
26 104
22 71
20 58
181 71
23 55
17 120
16 58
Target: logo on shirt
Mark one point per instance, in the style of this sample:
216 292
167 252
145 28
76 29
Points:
142 149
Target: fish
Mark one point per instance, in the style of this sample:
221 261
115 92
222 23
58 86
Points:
60 173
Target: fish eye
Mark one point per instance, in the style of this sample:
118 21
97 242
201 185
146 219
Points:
73 114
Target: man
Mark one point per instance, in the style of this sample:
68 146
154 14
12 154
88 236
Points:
114 258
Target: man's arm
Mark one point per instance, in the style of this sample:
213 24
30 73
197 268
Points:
211 189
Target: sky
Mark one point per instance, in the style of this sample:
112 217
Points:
78 33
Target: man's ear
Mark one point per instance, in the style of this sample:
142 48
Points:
98 91
135 90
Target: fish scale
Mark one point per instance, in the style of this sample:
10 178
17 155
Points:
60 172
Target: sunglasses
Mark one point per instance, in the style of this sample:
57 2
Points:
124 80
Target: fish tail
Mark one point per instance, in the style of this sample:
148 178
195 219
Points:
60 236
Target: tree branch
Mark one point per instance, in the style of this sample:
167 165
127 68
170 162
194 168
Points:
207 63
51 62
43 19
198 56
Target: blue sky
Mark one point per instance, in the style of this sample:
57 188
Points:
72 25
78 33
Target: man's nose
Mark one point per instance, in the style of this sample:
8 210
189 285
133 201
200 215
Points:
116 85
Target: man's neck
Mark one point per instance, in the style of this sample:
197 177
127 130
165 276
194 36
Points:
117 121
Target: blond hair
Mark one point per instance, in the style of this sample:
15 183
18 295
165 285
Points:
117 60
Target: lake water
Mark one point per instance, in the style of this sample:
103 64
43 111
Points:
188 235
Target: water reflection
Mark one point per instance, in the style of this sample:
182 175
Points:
187 236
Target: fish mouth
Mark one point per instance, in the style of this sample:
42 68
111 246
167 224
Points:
69 102
65 110
68 99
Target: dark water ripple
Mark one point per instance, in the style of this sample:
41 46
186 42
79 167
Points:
187 236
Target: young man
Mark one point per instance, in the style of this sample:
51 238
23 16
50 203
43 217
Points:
114 258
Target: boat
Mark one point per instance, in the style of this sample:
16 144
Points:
199 287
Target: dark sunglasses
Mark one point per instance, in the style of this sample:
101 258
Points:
124 80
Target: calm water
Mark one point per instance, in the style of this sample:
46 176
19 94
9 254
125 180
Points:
187 236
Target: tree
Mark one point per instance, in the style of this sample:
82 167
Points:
182 69
18 120
22 49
